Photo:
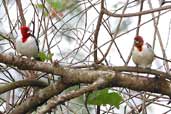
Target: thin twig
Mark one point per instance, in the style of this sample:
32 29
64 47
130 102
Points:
19 5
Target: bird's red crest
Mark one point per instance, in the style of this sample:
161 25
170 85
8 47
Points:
139 38
25 33
139 42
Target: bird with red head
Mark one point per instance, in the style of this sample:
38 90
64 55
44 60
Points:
143 54
27 45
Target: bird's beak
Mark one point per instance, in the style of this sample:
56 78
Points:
136 42
29 32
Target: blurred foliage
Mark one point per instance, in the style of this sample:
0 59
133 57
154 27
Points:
124 25
125 22
56 7
62 10
57 4
44 57
104 97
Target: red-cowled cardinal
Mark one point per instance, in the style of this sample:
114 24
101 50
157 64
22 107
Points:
143 54
27 45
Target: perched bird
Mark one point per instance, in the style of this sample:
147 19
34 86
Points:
143 54
27 45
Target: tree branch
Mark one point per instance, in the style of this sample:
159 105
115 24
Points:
74 76
26 64
40 97
100 18
105 11
19 5
138 70
10 86
111 79
72 94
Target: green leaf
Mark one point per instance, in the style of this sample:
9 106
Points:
104 97
56 4
49 1
49 56
44 57
41 6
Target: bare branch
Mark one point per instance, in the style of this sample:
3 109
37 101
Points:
10 86
105 11
51 103
97 32
19 5
41 96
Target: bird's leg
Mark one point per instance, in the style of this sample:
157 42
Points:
149 69
137 69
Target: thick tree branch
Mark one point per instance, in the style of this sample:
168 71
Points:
138 70
41 96
63 98
10 86
27 64
74 76
111 79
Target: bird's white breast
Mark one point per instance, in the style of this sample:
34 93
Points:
143 58
28 48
